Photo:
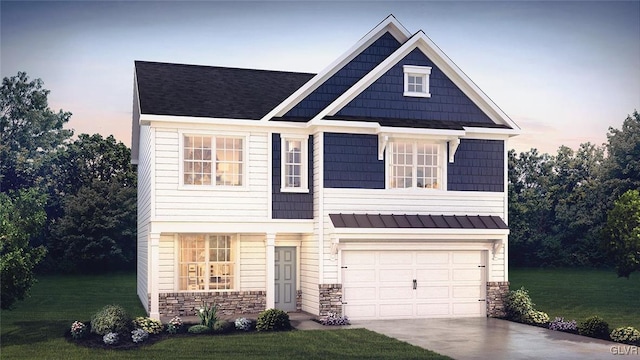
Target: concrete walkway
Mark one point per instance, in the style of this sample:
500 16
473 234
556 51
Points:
488 338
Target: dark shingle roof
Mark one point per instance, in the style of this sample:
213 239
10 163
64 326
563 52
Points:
208 91
417 221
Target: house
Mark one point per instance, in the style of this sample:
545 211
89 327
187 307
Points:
374 189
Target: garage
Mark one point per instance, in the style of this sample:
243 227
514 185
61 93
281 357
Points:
397 284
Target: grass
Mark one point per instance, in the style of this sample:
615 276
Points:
34 330
580 293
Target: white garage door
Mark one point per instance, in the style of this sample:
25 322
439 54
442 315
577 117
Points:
413 284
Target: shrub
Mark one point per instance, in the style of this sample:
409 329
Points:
560 324
175 325
208 315
594 327
110 319
518 305
110 338
139 335
199 329
537 318
245 324
273 320
334 319
222 327
78 330
149 325
627 335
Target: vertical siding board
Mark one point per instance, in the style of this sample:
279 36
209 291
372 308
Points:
351 161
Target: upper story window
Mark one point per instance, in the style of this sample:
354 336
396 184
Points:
207 157
294 164
415 164
206 262
416 80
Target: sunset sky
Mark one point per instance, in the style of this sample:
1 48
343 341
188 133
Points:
564 71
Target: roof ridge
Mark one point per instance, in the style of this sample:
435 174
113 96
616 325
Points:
219 67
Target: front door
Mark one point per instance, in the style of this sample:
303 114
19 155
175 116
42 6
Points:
285 278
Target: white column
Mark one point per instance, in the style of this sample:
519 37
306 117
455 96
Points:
271 275
154 270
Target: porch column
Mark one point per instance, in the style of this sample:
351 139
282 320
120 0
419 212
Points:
271 271
154 270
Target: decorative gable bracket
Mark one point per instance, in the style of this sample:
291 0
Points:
453 147
497 246
382 145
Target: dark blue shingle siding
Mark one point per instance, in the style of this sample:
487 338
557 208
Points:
478 166
351 161
290 205
345 77
385 99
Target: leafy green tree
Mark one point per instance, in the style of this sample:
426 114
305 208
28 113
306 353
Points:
98 230
622 165
622 233
28 131
21 218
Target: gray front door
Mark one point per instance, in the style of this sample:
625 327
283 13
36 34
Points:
285 273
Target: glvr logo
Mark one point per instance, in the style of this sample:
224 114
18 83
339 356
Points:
624 350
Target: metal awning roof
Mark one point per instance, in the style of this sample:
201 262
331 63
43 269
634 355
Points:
417 221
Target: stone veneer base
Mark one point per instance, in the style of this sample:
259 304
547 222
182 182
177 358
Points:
330 299
496 294
229 303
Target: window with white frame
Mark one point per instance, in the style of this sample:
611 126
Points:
294 164
206 262
414 164
200 167
416 80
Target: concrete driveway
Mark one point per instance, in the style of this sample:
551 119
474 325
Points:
488 338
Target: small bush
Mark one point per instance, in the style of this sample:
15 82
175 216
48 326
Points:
518 305
149 325
245 324
594 327
78 330
175 325
110 319
139 335
560 324
208 314
199 329
273 320
334 319
110 338
537 318
626 335
223 327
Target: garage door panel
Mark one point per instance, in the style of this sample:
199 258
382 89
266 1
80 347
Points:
380 284
430 275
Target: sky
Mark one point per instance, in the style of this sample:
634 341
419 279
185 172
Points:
563 71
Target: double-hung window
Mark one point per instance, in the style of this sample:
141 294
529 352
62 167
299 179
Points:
414 164
416 80
213 160
294 164
206 262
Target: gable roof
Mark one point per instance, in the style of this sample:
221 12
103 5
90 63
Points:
422 42
209 91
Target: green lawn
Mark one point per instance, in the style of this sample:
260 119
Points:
34 330
579 293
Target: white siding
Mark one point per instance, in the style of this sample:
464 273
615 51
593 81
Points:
167 270
173 203
252 262
309 274
144 213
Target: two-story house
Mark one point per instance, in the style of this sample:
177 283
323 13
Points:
375 188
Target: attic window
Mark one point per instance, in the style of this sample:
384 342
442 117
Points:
416 80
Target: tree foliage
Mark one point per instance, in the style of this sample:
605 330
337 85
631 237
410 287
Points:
622 233
21 218
29 130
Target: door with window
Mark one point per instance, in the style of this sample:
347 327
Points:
285 278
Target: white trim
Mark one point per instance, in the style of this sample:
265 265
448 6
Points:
270 244
423 72
269 201
453 147
320 218
304 163
422 42
417 234
245 226
154 270
389 24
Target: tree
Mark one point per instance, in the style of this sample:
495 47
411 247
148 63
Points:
21 218
28 131
622 165
622 233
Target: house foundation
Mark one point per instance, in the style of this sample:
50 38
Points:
496 294
330 299
228 303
